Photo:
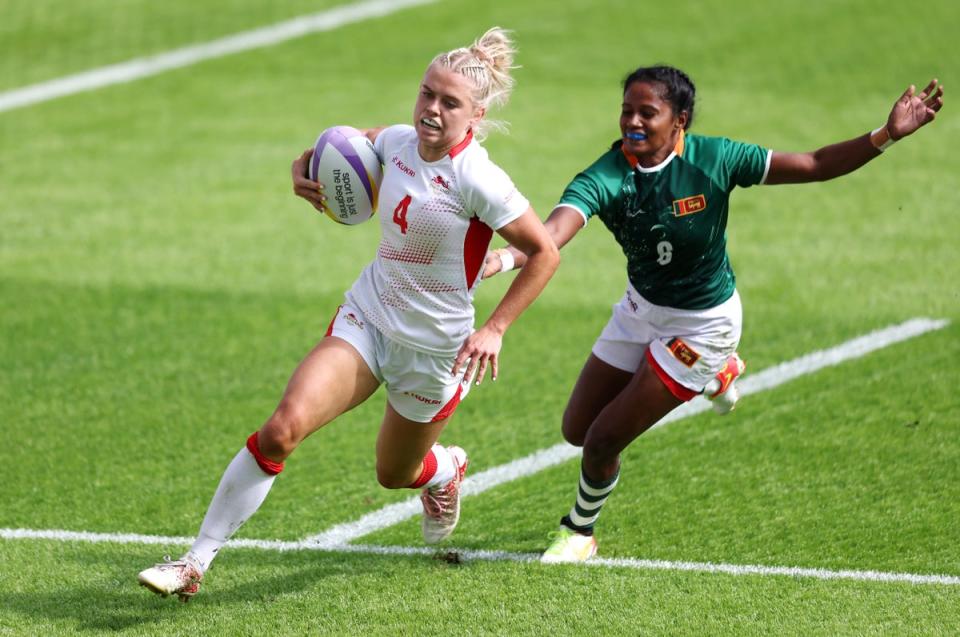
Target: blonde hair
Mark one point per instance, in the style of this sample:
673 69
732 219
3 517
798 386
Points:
487 64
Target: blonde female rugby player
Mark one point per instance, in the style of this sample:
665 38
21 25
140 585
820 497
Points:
663 194
407 321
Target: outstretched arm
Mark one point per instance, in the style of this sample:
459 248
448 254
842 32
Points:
562 224
909 113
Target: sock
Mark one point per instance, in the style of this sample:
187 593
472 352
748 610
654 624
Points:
438 468
591 496
243 488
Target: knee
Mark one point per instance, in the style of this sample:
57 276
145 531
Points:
283 432
391 479
573 430
600 446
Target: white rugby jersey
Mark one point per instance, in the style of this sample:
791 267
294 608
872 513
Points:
436 222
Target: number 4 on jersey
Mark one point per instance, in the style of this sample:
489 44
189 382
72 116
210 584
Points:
400 214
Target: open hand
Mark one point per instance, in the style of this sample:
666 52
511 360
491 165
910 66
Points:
914 110
481 349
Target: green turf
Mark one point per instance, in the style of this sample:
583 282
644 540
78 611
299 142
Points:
42 40
159 283
368 595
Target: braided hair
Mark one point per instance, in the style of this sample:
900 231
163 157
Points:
678 88
487 64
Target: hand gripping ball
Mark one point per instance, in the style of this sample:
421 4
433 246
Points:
347 165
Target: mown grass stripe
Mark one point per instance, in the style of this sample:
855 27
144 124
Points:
152 65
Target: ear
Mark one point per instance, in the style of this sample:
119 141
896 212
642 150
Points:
478 114
680 121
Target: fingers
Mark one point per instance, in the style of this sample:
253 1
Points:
299 166
305 187
491 265
482 349
475 364
462 357
480 372
471 360
935 100
907 94
928 89
487 361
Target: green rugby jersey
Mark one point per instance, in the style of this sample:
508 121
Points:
671 220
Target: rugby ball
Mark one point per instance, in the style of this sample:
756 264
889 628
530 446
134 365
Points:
345 162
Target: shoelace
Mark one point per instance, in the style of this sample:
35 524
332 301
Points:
436 503
169 562
190 571
555 536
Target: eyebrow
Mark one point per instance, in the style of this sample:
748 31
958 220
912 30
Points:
642 105
445 96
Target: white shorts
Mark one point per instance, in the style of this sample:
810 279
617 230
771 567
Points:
686 348
420 386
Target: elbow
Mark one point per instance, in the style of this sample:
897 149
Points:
825 168
822 174
545 257
551 256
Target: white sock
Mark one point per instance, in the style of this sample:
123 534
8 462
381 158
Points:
243 488
446 467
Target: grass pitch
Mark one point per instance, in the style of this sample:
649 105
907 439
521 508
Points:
160 282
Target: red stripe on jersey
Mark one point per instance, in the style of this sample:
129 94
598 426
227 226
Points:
333 320
429 470
463 143
678 390
450 407
404 256
267 465
475 244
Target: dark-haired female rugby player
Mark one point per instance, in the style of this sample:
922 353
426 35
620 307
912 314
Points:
663 193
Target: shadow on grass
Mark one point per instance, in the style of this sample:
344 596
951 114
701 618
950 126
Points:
100 592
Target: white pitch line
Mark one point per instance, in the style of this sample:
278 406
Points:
496 556
336 538
545 458
143 67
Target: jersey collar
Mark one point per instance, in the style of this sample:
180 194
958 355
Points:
677 152
456 150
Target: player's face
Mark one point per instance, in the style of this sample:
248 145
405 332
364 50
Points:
444 111
648 124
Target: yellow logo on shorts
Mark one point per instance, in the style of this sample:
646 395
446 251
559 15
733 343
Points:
689 205
683 352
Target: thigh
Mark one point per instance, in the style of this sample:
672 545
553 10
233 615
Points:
640 405
332 379
402 444
598 385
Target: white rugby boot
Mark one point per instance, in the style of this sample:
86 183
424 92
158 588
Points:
441 504
722 390
173 577
568 546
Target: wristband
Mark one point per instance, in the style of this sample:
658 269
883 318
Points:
507 262
880 138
